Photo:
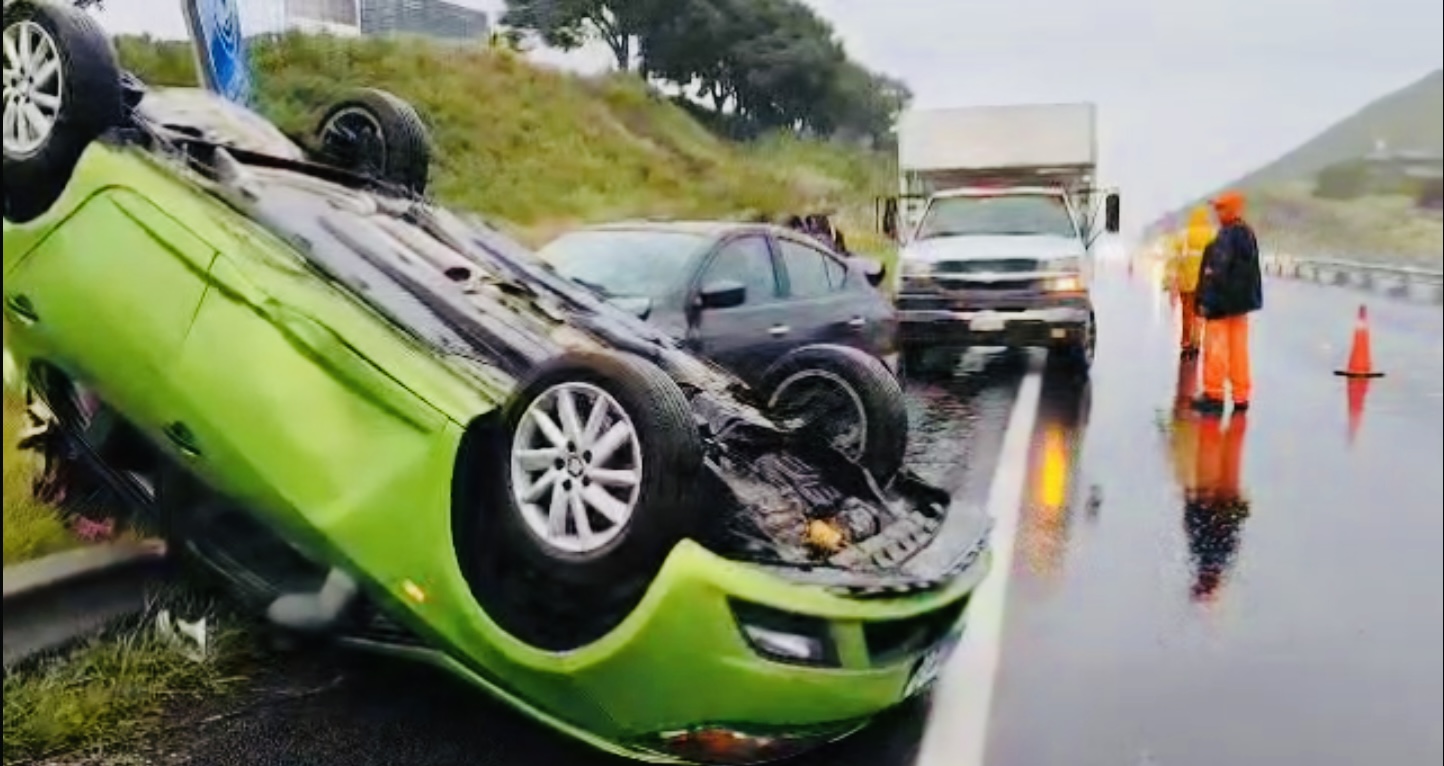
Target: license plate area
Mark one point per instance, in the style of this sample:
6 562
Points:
987 323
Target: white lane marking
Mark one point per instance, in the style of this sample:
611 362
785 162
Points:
957 730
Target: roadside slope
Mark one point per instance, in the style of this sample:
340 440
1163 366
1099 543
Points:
540 148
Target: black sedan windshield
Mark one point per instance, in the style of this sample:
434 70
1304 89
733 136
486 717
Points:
625 263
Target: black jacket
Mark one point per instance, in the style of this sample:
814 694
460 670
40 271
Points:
1230 281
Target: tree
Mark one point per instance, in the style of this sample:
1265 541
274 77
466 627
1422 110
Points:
862 103
570 24
768 61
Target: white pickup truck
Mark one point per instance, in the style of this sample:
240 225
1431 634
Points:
996 220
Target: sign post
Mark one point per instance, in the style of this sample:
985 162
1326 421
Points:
221 55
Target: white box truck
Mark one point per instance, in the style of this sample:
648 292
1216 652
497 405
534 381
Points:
996 220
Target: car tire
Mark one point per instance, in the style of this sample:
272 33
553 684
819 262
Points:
869 392
561 515
379 134
77 97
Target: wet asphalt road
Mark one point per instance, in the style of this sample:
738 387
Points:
1294 618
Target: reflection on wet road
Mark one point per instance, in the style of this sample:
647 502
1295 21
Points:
1251 589
1183 591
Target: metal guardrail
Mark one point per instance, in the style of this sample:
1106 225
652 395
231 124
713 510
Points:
1394 281
56 600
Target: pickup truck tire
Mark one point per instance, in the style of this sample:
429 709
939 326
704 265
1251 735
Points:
377 133
71 97
602 466
846 387
1077 358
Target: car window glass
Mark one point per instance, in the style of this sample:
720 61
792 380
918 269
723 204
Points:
748 261
810 272
625 263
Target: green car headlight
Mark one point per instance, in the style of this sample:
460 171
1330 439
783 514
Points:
785 637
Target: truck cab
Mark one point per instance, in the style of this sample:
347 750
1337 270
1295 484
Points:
998 253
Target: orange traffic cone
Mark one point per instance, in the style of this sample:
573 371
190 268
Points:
1361 360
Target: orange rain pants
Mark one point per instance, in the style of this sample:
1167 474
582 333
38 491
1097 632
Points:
1191 322
1226 358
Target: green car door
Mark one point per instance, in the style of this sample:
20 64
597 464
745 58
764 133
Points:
107 295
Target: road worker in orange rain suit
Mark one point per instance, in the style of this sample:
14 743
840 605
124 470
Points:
1230 287
1185 257
1216 506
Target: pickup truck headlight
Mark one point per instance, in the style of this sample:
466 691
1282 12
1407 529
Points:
1065 284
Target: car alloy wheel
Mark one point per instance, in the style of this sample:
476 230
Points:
34 88
576 467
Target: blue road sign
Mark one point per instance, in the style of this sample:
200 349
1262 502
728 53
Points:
221 57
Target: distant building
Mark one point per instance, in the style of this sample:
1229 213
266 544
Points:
337 17
435 19
428 18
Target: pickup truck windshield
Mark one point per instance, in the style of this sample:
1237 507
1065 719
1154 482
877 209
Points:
1007 215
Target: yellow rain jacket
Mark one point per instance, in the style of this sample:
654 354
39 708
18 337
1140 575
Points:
1187 253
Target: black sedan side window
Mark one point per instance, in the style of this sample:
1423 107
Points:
810 272
747 260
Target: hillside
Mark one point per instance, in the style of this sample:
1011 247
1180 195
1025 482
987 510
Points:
540 149
1409 118
1371 226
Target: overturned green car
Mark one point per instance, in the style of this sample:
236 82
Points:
390 427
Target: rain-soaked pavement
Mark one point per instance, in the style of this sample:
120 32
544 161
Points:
1261 589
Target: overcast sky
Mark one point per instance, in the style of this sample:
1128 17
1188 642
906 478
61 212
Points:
1190 95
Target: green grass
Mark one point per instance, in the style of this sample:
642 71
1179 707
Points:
109 691
540 149
1375 228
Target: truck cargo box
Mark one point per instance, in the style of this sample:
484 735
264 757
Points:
997 145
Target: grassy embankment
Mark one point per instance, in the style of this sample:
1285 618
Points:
1386 229
535 150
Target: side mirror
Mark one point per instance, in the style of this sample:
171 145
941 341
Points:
723 294
1112 214
873 269
640 308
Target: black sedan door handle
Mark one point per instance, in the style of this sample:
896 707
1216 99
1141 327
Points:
857 323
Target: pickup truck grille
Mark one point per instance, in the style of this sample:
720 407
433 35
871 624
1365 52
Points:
993 266
999 285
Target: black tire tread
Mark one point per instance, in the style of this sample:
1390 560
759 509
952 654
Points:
93 102
408 144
